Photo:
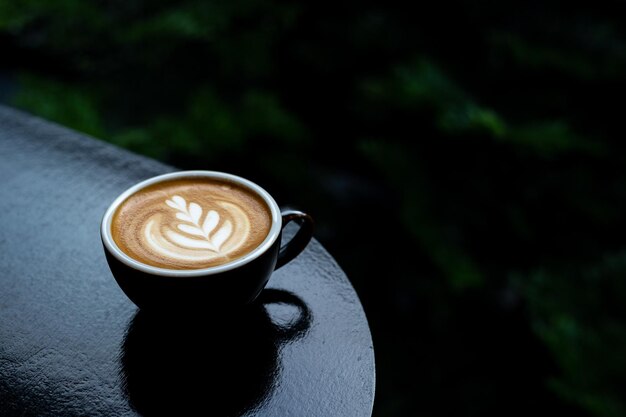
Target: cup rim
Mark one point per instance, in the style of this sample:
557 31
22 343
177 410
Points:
113 249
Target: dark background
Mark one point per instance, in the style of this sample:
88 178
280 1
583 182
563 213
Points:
465 162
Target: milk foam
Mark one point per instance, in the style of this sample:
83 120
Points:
197 239
190 223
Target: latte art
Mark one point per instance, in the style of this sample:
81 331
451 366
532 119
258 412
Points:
189 224
196 240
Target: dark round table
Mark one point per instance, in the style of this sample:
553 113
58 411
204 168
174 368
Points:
71 343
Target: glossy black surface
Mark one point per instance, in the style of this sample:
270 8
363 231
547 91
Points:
71 342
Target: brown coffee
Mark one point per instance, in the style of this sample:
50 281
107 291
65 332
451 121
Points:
190 223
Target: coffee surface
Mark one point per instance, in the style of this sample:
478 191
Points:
190 223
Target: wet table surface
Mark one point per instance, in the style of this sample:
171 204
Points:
72 344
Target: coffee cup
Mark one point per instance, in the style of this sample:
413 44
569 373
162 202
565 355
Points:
198 239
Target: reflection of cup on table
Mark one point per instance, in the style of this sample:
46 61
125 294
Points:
195 364
197 239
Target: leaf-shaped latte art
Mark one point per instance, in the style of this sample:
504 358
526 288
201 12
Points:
196 236
192 214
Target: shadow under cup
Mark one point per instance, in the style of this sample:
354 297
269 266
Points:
235 283
219 364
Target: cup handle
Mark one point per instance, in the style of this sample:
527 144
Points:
291 249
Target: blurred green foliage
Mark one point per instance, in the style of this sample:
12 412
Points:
490 134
